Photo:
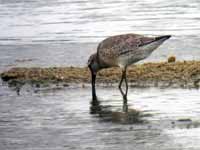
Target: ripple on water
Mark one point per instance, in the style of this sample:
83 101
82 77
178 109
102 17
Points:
94 19
68 31
157 118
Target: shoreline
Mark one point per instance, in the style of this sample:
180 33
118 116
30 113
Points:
184 74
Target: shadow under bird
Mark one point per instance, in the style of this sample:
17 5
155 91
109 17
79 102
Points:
122 51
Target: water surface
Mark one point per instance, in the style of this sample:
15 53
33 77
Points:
38 33
61 119
65 32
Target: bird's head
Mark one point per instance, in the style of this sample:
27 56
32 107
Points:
93 64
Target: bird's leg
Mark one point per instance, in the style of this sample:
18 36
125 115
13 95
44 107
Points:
125 105
120 84
125 96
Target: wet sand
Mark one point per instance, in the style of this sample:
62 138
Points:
185 74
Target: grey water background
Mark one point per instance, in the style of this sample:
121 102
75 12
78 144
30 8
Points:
65 32
38 33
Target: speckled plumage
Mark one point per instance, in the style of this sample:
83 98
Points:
110 50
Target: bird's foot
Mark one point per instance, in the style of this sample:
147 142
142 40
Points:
95 101
95 106
125 108
125 99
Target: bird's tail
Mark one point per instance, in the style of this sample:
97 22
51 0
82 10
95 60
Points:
164 37
152 40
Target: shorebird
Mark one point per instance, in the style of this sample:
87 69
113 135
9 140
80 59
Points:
122 51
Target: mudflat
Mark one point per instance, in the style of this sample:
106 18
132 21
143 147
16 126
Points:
178 74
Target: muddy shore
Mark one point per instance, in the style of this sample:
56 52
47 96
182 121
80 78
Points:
185 74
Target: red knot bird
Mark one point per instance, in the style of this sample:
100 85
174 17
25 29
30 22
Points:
122 51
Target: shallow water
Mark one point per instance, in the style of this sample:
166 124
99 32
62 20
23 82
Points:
56 21
38 33
61 119
65 32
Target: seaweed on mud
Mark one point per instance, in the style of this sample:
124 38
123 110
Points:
181 74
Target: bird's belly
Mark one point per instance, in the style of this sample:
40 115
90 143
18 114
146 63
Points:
127 60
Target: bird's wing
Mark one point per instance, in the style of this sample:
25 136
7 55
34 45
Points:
110 49
121 44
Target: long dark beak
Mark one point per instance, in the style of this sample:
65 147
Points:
94 97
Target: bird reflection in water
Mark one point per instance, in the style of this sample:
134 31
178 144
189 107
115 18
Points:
124 115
